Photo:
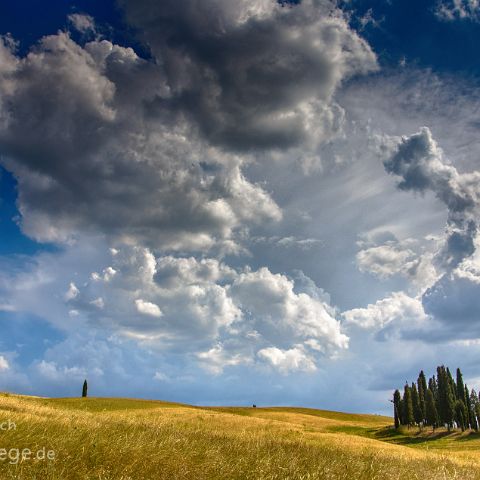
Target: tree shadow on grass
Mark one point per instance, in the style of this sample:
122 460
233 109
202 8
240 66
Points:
413 437
468 436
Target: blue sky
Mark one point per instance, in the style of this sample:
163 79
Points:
238 202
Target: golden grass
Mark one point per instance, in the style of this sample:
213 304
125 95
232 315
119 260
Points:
120 439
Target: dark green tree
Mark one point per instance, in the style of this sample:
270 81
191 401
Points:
84 389
460 414
401 412
432 385
417 411
446 399
474 417
468 408
441 389
408 406
422 390
477 413
431 410
460 386
397 399
453 385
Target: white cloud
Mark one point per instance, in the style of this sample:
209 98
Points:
288 361
4 365
148 308
409 258
98 302
202 303
278 313
82 22
398 309
51 371
385 260
161 377
107 274
72 292
289 242
216 359
449 10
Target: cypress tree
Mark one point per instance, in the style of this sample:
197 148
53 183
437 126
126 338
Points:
446 398
401 412
431 409
473 409
460 414
450 403
468 408
408 406
417 411
441 374
460 386
397 399
422 390
453 385
84 389
477 413
432 385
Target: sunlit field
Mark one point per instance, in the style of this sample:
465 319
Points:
116 439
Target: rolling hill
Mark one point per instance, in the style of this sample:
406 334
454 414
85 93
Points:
122 439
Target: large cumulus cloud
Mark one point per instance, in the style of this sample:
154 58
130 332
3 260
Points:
101 140
77 135
254 74
205 308
451 300
393 316
420 164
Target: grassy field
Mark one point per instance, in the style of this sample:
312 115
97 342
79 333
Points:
121 439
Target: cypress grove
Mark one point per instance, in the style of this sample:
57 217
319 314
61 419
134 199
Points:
443 402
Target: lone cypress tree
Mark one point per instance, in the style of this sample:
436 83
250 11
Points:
397 399
431 410
84 389
408 406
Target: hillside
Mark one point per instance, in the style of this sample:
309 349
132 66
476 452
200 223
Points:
99 438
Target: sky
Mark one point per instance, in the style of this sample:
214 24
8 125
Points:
239 201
